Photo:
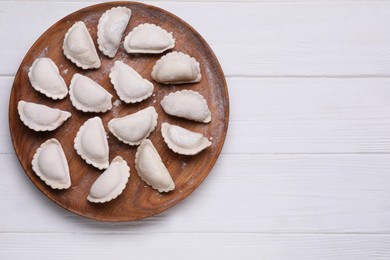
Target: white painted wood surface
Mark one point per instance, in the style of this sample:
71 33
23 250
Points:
305 172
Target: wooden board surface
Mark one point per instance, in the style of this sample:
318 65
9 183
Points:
138 200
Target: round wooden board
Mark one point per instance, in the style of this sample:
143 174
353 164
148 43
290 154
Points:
137 200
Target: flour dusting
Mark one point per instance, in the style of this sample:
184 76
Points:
117 103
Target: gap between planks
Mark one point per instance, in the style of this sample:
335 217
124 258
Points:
215 1
366 234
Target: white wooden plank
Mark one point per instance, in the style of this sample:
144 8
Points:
290 115
266 39
309 116
244 193
194 246
5 137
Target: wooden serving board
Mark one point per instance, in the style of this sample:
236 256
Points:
137 200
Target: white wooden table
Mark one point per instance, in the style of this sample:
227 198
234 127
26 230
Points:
305 171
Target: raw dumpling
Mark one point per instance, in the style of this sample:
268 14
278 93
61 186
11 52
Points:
91 143
50 164
79 47
40 117
112 25
45 78
176 68
183 141
88 96
148 38
151 169
129 85
134 128
187 104
111 182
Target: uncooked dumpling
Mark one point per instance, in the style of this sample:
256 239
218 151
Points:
176 68
40 117
111 182
50 164
112 25
183 141
151 169
45 78
134 128
148 38
79 47
91 143
129 85
88 96
187 104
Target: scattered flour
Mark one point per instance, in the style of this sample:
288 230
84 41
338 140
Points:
183 165
117 103
43 52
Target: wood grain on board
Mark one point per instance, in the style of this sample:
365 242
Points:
138 200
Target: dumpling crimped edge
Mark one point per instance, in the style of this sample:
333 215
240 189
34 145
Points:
90 40
155 118
100 36
116 84
166 56
119 188
35 167
140 27
38 88
137 170
64 116
180 150
76 103
163 101
78 149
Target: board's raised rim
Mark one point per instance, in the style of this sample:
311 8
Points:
109 5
